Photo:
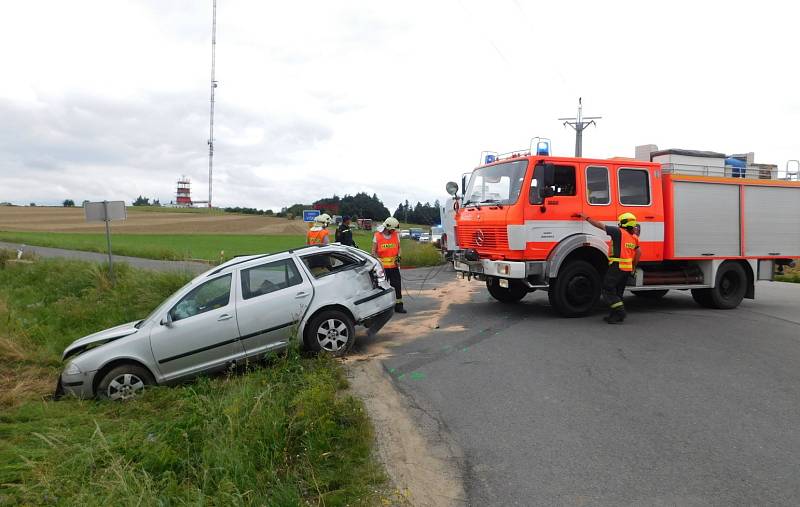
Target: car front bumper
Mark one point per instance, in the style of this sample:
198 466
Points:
80 385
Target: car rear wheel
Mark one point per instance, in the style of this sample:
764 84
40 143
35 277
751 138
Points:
576 290
331 331
124 382
515 291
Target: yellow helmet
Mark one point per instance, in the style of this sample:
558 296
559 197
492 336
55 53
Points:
627 220
391 223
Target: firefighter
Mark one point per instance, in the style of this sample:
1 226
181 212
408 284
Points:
318 234
344 234
386 248
623 256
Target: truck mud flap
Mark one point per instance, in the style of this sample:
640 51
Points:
376 322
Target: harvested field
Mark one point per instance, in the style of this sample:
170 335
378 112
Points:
56 219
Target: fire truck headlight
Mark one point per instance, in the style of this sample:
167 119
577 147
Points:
503 268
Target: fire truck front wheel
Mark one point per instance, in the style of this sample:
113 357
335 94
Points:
516 290
576 290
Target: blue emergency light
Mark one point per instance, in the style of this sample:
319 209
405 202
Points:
543 148
490 158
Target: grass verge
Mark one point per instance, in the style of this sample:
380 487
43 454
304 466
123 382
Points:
211 247
282 434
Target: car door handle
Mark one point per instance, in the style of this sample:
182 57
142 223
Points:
224 316
301 295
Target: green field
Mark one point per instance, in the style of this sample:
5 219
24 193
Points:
209 247
283 433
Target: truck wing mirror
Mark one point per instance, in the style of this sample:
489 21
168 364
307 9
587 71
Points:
452 188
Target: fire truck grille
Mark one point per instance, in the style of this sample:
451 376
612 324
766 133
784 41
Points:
481 237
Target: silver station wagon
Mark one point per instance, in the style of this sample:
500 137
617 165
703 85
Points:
236 312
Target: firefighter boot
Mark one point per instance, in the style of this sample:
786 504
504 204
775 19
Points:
615 317
398 307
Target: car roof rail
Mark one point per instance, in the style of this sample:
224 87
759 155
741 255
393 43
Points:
230 264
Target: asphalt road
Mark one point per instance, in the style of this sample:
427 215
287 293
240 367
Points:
137 262
679 406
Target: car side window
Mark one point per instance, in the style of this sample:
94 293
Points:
330 262
634 187
209 296
270 277
598 191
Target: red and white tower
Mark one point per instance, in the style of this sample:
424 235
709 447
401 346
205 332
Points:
183 195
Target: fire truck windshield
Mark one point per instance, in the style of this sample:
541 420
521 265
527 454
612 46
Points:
496 184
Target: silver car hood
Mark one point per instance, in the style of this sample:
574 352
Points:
106 336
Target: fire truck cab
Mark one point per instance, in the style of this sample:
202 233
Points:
518 229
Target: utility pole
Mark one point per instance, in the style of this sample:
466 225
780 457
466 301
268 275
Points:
579 124
213 88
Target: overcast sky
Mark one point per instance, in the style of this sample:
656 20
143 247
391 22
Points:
109 99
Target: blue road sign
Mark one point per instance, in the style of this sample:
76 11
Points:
310 214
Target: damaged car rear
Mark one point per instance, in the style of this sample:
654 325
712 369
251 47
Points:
237 312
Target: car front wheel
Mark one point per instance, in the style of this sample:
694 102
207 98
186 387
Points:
124 382
331 331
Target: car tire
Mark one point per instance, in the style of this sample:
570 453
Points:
124 382
330 331
513 294
650 294
576 290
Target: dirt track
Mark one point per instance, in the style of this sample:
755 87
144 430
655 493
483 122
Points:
55 219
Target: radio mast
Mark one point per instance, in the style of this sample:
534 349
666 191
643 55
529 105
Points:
213 87
579 124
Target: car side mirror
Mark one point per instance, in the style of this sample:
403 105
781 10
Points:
167 321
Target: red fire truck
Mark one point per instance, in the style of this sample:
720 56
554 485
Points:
702 230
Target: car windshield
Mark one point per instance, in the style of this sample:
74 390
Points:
496 184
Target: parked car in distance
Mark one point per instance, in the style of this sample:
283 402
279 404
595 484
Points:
234 313
404 234
415 233
425 237
436 235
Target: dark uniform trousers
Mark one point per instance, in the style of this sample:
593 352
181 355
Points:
393 275
614 287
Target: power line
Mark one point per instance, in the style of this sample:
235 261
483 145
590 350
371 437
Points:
579 124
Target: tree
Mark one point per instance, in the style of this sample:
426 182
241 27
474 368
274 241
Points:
142 201
69 203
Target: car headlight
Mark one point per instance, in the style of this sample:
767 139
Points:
72 369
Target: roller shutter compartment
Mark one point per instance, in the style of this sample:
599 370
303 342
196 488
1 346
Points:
772 221
706 219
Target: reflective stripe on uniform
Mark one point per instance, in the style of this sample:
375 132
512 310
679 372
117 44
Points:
617 304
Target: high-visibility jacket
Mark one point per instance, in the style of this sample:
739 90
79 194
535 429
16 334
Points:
622 249
316 236
387 249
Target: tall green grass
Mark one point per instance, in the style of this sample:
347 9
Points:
210 247
279 434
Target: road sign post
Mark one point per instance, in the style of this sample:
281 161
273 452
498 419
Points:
106 211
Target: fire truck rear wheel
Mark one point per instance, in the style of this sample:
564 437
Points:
576 290
730 287
516 290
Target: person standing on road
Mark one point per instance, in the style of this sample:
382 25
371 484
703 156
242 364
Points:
344 234
318 234
386 248
623 256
